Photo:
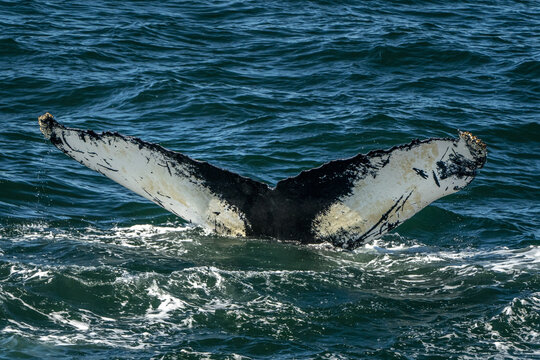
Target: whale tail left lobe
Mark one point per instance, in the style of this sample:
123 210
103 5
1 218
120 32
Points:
194 190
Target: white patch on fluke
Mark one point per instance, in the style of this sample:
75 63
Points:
152 174
403 182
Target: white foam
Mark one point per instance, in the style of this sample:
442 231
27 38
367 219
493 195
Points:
517 314
171 237
384 246
168 303
63 318
102 318
513 260
198 354
148 230
196 282
22 325
40 275
25 304
388 254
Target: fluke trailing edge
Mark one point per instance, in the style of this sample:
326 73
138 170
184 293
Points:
344 202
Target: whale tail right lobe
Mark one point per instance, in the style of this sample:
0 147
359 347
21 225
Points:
351 201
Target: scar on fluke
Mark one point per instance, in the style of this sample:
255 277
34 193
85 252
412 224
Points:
421 172
435 178
345 202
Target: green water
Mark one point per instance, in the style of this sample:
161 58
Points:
267 89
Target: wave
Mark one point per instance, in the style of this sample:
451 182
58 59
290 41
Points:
132 287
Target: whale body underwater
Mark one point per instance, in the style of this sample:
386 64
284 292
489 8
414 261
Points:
344 202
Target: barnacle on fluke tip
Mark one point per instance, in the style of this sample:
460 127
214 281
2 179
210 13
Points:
46 122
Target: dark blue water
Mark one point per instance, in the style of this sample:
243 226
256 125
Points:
267 89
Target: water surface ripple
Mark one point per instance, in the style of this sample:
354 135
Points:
267 89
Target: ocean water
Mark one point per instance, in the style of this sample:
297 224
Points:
267 89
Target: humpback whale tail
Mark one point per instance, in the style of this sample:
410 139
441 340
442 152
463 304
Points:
345 202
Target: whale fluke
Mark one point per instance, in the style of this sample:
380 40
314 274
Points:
345 202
